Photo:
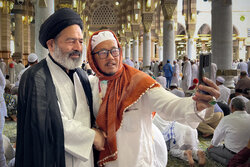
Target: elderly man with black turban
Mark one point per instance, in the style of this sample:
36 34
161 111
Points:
54 120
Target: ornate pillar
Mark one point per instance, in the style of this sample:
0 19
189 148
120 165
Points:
222 47
147 19
32 39
128 36
189 11
242 49
26 41
135 31
168 7
43 8
140 49
160 48
5 32
19 31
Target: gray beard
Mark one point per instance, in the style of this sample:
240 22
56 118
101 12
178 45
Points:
65 60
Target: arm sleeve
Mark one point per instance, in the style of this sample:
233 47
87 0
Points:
219 134
170 107
78 138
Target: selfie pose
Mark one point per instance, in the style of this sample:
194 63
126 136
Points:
124 99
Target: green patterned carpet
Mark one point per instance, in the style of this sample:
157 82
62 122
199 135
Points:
10 131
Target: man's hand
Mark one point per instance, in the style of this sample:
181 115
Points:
99 140
202 99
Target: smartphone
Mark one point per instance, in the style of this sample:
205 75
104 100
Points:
204 67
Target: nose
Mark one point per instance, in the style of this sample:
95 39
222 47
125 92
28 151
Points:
110 56
77 45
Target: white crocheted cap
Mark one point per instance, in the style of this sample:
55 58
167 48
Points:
100 37
32 58
220 79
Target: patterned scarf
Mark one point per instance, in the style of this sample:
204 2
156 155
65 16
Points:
125 87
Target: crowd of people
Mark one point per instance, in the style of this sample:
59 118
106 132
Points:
106 113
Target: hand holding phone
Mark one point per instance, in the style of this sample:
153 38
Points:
204 68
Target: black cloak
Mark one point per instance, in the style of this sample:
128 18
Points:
40 135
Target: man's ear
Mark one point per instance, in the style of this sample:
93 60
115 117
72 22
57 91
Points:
51 45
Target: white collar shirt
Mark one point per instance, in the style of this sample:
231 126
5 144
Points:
233 130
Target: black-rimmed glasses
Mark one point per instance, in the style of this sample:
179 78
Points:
103 54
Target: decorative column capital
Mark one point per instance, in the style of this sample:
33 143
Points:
135 30
168 8
147 19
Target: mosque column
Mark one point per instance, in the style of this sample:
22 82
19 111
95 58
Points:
168 8
153 55
189 12
26 40
135 32
222 42
128 36
242 49
19 34
160 48
5 32
32 39
43 9
140 49
147 19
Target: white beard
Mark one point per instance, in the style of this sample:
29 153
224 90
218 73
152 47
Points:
64 59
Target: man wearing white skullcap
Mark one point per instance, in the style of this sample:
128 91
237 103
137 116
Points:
224 91
32 60
124 99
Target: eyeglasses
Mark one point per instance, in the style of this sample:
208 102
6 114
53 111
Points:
103 54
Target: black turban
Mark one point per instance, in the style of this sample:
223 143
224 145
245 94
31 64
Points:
61 19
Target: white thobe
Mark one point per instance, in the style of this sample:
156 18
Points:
224 94
3 68
156 69
161 80
233 129
195 72
187 74
176 74
213 72
78 136
134 137
243 66
185 137
18 68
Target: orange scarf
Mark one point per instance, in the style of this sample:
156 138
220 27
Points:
124 89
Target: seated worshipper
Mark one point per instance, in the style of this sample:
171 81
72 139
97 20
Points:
243 83
124 99
233 129
174 89
195 84
11 103
224 91
182 140
161 80
55 118
211 121
238 94
241 159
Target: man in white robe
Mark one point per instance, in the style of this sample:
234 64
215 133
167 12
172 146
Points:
3 67
187 74
224 91
176 73
124 99
213 72
18 68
